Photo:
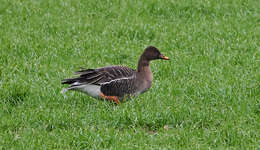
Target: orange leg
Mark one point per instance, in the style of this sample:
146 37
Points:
111 98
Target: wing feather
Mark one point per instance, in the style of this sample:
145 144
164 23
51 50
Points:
100 75
119 87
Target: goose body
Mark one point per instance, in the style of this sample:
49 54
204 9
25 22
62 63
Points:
116 82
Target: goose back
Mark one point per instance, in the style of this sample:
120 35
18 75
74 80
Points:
100 75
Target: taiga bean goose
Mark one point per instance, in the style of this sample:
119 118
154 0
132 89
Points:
113 83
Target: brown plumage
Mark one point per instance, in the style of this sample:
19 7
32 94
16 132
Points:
116 82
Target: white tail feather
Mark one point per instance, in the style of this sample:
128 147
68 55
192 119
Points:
63 91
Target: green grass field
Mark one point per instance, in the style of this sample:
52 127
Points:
206 97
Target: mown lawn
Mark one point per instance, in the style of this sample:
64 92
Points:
206 97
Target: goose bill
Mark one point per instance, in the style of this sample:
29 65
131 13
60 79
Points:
164 57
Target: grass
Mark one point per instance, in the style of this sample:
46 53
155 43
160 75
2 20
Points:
206 97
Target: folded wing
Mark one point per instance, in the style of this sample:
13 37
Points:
100 75
119 87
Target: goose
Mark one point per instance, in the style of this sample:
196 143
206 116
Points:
115 83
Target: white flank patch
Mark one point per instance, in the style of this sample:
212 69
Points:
92 90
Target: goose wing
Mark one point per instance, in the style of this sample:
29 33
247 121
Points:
119 87
100 75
